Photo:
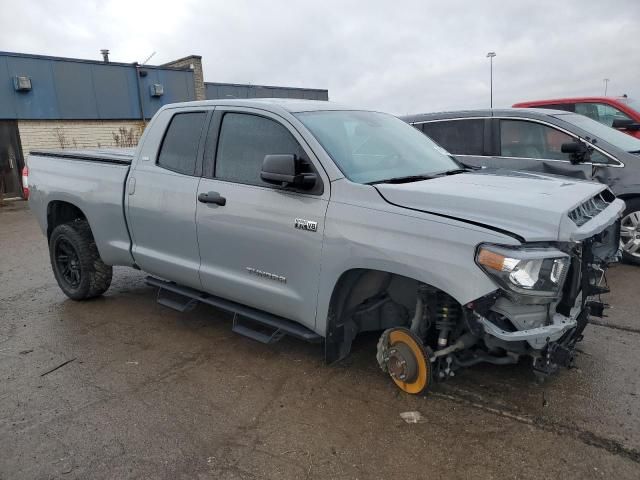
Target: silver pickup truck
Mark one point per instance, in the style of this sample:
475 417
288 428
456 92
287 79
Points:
318 221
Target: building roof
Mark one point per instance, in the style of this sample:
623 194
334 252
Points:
91 61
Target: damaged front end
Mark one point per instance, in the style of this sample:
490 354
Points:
547 294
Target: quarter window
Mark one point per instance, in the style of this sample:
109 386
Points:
179 148
244 141
460 137
524 139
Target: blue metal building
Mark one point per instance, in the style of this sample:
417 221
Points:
38 87
55 102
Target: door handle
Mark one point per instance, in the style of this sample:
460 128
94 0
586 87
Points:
212 197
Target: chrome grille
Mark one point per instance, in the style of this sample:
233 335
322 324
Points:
592 207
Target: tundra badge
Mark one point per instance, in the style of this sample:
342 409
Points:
302 224
263 274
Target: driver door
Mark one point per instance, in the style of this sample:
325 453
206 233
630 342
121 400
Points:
253 248
528 145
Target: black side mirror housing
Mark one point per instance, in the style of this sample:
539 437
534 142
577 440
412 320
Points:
625 124
578 151
287 170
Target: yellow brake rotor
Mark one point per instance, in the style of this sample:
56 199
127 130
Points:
405 347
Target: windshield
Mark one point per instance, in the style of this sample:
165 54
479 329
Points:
598 130
371 147
632 103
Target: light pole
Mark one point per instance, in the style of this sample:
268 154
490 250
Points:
490 56
606 84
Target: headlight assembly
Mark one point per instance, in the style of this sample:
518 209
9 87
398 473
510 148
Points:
538 272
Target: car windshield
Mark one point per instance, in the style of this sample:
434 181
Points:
372 147
632 103
598 130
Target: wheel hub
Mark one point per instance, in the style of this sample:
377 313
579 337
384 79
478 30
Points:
403 356
67 263
402 363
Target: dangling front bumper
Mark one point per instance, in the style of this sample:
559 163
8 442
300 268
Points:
549 332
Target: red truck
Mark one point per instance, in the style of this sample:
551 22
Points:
622 113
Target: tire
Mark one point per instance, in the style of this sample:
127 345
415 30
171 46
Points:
630 232
76 263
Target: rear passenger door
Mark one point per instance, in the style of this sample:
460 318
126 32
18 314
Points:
161 196
466 138
252 248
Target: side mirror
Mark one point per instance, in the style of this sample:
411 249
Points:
288 171
578 151
625 124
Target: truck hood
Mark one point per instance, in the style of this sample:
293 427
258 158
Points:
532 206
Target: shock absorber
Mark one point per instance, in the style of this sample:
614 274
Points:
447 315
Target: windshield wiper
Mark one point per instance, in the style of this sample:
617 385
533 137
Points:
405 179
453 172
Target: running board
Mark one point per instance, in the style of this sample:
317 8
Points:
267 337
189 297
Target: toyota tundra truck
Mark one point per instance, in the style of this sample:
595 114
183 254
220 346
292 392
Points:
320 222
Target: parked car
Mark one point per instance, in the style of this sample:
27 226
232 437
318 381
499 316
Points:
320 222
548 141
622 113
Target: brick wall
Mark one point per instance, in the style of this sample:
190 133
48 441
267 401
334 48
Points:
78 133
194 61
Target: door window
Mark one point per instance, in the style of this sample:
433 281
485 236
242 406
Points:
601 112
179 150
460 137
524 139
245 139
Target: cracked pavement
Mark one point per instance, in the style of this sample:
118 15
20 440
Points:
152 393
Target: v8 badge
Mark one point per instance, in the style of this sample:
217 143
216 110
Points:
302 224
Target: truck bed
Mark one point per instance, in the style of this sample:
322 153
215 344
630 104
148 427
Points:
94 182
122 156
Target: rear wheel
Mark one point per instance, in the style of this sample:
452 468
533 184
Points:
76 263
630 232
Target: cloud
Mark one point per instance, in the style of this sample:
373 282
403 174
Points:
400 57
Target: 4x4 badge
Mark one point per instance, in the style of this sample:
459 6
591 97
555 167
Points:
302 224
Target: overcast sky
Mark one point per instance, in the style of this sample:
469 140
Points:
401 57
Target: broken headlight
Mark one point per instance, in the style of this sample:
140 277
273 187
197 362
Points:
538 272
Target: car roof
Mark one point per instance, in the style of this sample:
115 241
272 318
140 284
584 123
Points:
485 113
273 104
570 100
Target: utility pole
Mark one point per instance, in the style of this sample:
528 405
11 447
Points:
606 84
490 56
